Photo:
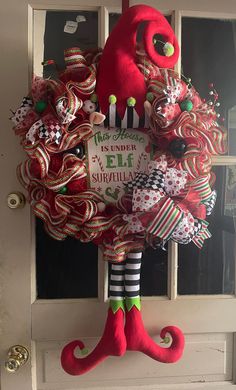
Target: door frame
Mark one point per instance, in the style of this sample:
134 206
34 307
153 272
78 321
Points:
17 275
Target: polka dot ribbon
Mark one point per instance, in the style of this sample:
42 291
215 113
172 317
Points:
164 207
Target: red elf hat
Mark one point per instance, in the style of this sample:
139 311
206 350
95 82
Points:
118 73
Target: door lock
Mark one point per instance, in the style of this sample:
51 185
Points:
15 200
17 356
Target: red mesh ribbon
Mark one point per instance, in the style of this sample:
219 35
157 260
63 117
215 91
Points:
50 167
199 128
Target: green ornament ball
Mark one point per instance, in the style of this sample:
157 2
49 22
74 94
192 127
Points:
112 99
40 106
168 49
166 340
186 105
150 96
63 190
131 101
94 98
84 351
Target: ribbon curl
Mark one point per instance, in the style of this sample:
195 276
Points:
178 112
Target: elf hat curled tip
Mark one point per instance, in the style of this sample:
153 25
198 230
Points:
119 54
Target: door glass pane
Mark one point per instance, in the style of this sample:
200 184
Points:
211 270
113 19
66 269
209 56
154 272
55 31
153 278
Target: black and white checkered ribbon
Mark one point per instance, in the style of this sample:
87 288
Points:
154 181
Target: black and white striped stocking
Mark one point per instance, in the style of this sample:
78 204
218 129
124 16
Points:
132 279
116 286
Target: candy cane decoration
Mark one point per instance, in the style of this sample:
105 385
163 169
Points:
98 159
142 158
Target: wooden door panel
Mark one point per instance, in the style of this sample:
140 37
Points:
210 356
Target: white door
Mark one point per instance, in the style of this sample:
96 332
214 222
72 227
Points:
48 302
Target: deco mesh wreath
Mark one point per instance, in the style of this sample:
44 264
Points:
141 178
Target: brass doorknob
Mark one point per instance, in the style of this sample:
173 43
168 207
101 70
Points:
15 200
17 356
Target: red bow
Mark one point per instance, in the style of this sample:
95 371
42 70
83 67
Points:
192 203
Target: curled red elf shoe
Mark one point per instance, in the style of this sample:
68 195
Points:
112 343
138 339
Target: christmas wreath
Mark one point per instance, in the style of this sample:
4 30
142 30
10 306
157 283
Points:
119 153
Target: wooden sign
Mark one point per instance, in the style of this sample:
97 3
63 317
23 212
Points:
114 157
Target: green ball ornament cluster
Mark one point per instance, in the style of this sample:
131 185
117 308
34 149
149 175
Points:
84 351
112 99
186 105
168 49
63 190
166 340
94 98
150 96
40 106
131 101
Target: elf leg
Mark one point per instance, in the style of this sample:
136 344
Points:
136 336
113 342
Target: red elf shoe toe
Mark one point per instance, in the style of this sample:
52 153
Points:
138 339
112 343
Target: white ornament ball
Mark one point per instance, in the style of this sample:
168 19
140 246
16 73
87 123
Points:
89 106
101 206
